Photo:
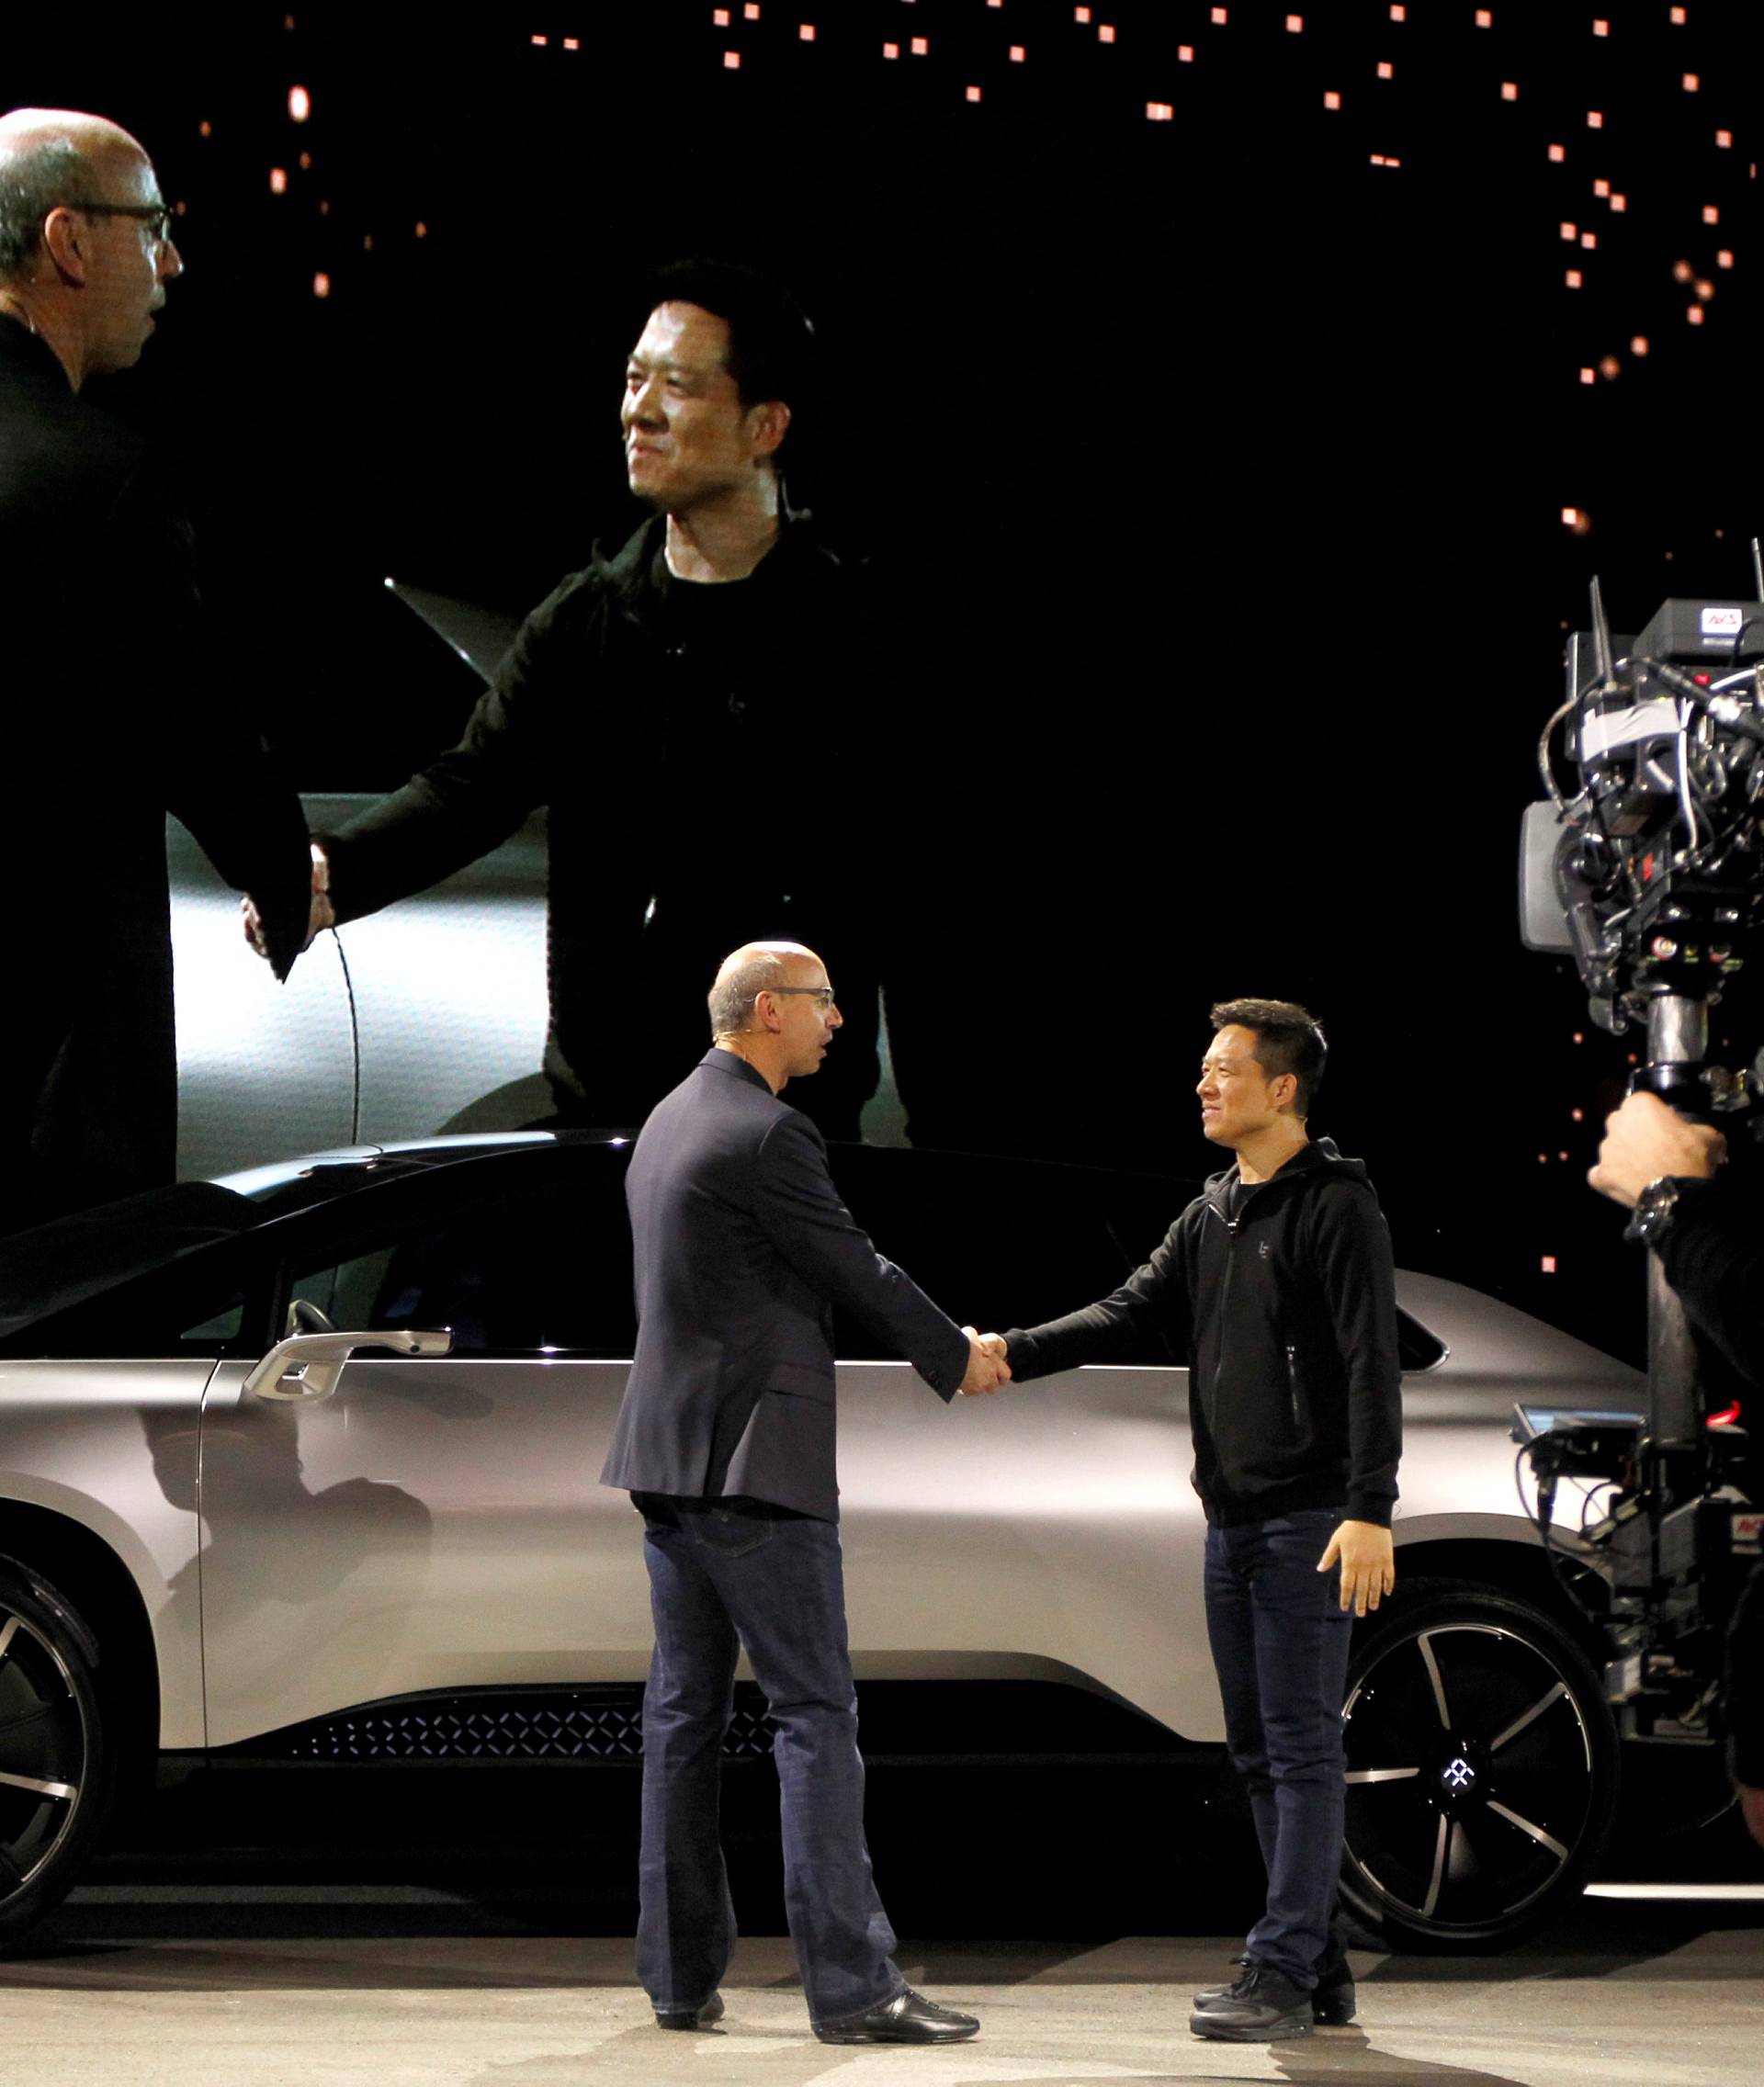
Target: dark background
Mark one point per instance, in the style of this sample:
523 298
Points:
1221 472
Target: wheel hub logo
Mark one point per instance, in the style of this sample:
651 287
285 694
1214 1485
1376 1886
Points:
1458 1775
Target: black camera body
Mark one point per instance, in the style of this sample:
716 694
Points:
1647 865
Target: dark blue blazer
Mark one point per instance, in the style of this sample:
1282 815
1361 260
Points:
742 1248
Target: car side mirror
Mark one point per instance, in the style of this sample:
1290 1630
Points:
315 1360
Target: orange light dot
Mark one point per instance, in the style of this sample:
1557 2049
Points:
1725 139
1543 1159
1579 1036
1589 377
1294 25
421 230
1609 366
324 210
306 163
921 45
973 94
1711 215
890 50
806 32
278 181
1677 20
542 40
1570 516
1159 112
720 16
1682 271
1601 188
1386 71
1595 120
1220 16
1578 1115
1558 154
1691 83
1588 239
1332 99
1185 54
1637 346
1549 1259
1600 29
1080 14
1695 315
1106 34
1724 259
1017 54
1399 14
752 10
320 286
1568 230
1509 90
1485 18
572 43
1705 289
1573 278
205 128
367 242
731 62
1619 204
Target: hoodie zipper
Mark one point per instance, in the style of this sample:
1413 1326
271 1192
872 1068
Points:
1291 1386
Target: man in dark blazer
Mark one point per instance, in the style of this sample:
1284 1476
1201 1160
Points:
725 1442
113 713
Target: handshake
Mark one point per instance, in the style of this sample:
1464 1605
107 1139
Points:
987 1365
320 915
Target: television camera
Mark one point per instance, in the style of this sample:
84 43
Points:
1647 865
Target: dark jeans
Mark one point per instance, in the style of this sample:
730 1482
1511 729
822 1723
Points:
724 1574
1280 1644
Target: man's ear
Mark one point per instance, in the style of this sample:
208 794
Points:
770 423
1286 1091
63 237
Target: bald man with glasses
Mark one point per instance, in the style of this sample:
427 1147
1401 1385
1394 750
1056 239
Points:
115 714
725 1441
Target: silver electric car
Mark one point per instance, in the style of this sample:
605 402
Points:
302 1464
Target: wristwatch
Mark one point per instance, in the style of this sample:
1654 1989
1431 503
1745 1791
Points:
1657 1205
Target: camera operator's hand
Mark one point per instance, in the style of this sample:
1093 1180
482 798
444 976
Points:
1644 1139
1751 1805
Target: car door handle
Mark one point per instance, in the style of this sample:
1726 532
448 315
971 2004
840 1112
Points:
315 1360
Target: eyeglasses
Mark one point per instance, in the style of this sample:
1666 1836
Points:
823 994
156 217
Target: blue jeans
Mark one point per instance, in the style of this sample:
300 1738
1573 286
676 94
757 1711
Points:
727 1574
1280 1645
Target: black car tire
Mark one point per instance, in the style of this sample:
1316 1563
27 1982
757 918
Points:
1482 1769
56 1772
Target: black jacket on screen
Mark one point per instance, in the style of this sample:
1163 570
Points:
741 1248
1286 1315
116 711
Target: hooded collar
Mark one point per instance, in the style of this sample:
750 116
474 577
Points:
1316 1155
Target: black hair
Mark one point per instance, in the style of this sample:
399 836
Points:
771 341
1288 1040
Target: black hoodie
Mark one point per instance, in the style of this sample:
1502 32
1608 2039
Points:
1287 1317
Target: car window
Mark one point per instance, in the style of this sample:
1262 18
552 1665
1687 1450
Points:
509 1275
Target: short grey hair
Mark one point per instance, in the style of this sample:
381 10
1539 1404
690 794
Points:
733 995
43 177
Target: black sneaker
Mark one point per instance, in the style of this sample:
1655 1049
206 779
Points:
699 2017
1334 2000
1263 2007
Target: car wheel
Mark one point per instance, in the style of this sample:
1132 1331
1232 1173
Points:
1482 1769
55 1771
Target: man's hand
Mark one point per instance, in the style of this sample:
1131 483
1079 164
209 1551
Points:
986 1367
1751 1802
1368 1563
320 915
1644 1139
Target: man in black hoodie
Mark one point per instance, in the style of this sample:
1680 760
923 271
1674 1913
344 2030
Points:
1276 1286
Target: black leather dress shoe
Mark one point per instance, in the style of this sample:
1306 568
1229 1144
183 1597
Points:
691 2017
908 2018
1333 1998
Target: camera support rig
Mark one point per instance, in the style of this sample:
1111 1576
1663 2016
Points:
1651 875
